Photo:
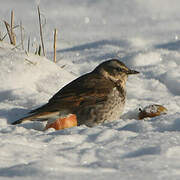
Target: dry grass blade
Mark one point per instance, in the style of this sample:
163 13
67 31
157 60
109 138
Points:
13 36
41 34
0 36
29 40
30 62
8 31
4 37
55 39
22 39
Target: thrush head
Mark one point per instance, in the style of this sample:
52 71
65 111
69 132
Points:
115 70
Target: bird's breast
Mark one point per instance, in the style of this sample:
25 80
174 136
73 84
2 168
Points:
106 111
115 104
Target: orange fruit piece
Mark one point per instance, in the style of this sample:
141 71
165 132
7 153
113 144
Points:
62 123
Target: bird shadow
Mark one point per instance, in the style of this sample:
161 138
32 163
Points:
10 114
17 113
13 114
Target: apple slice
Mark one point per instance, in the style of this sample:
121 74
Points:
152 111
62 123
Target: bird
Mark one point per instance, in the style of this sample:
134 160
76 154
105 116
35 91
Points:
92 99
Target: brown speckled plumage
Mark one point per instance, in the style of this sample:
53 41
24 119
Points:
95 97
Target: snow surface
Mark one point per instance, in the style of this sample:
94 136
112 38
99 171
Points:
145 36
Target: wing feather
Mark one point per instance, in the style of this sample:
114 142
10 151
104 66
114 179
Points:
86 90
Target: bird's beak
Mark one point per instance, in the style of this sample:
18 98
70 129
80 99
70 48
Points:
132 72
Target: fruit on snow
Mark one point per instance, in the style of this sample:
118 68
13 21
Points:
152 111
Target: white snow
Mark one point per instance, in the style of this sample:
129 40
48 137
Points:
142 34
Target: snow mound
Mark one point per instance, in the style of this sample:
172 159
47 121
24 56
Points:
172 80
27 80
145 59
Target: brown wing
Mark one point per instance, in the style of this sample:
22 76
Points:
85 90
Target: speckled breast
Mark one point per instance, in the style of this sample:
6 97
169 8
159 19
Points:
108 110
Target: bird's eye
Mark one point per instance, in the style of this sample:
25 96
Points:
120 69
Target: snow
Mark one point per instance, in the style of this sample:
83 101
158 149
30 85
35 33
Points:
144 36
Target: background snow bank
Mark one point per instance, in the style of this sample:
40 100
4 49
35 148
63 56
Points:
27 81
144 36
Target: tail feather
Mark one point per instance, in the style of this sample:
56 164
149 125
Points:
27 118
39 116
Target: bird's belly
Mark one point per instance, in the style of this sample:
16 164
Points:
113 107
106 111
